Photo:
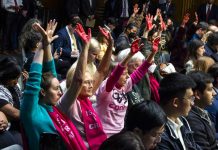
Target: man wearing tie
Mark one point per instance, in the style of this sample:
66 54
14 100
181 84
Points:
208 11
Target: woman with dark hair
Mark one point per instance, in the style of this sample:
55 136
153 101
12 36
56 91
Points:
123 141
196 50
147 119
10 95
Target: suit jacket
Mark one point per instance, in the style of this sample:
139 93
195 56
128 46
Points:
113 8
168 13
169 141
63 41
85 8
65 60
202 12
204 133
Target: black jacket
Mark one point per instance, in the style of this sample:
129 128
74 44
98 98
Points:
170 142
204 130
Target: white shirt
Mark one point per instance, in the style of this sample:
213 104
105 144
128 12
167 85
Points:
71 39
7 3
208 6
176 128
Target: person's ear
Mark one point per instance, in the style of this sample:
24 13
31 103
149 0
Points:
197 94
138 132
42 91
175 102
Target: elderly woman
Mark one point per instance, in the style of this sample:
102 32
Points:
79 107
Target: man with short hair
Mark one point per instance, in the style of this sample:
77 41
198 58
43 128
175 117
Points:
176 98
198 118
68 45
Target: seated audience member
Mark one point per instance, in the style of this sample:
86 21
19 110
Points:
123 141
176 99
7 138
147 120
198 118
112 103
126 38
213 109
39 116
79 107
147 87
201 29
69 43
10 94
195 50
211 47
203 63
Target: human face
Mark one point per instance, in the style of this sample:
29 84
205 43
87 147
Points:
132 66
210 1
87 86
200 51
207 96
53 94
123 78
152 138
92 55
186 103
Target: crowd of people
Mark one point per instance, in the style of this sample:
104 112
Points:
143 83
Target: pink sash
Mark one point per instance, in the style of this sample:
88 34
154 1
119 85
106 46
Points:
93 127
154 85
67 130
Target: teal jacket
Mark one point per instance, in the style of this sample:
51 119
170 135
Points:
34 116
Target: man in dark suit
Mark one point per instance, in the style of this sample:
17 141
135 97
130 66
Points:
150 8
68 45
84 8
208 11
167 9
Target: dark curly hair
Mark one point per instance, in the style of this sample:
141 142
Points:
9 69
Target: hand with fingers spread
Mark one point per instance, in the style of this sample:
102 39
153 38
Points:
80 31
104 32
48 34
107 35
155 44
135 47
149 20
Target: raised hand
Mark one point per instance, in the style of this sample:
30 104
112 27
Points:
155 44
80 31
107 35
135 9
48 34
104 32
135 47
162 24
185 19
196 18
149 20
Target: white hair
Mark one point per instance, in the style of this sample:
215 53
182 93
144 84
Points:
122 54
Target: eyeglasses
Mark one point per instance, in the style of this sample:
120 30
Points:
191 99
88 82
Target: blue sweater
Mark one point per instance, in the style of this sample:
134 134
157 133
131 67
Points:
34 116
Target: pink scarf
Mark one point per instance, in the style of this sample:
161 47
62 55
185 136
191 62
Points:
154 85
93 127
67 130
